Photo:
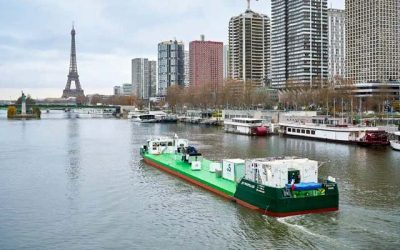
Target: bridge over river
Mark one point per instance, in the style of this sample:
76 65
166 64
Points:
65 107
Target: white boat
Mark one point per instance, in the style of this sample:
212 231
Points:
94 112
143 118
246 126
163 117
337 133
395 144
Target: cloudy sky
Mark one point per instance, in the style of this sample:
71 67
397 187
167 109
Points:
35 38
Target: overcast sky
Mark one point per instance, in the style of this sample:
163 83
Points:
35 38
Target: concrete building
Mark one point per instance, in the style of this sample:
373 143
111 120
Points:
299 42
226 61
153 78
140 78
337 45
206 63
372 41
126 89
117 90
187 70
171 65
249 47
143 78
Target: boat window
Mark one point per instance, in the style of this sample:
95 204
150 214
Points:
303 131
298 130
289 129
170 143
163 144
313 132
307 132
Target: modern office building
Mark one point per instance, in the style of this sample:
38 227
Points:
337 45
249 47
171 65
143 78
373 40
206 63
299 42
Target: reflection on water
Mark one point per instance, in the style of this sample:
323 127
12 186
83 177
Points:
73 149
73 165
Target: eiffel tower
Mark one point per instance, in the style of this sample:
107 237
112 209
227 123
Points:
73 73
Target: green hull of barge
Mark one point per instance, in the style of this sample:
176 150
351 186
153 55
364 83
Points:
204 176
278 202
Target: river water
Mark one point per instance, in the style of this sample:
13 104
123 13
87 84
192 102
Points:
81 184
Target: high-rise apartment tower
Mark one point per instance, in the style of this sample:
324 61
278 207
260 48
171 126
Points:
337 45
171 65
143 78
373 40
249 47
299 42
206 64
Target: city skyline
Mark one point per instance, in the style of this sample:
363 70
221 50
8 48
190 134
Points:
34 45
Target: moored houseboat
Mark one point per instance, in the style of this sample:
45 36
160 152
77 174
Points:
337 133
246 126
275 186
142 118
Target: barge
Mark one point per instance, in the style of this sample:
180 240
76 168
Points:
366 136
246 126
274 186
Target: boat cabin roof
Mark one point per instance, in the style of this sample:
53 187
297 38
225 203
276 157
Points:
247 120
330 128
166 139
